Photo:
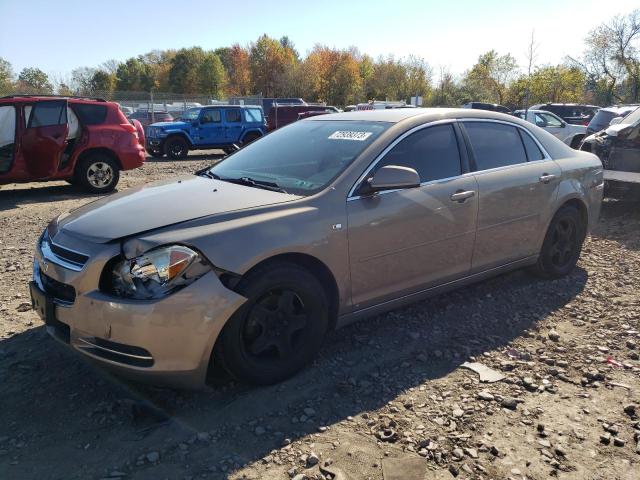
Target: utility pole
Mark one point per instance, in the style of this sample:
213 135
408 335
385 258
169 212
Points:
531 58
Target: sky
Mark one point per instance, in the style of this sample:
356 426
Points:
58 36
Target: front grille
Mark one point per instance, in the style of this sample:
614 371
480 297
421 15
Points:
59 290
116 352
69 255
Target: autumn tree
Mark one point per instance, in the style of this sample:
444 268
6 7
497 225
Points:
268 61
236 63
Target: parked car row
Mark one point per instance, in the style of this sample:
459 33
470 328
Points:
84 141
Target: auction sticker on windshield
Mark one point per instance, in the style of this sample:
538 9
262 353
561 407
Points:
348 135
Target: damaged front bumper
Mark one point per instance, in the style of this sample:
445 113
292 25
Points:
165 341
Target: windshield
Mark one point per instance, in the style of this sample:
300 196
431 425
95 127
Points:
632 118
303 157
190 115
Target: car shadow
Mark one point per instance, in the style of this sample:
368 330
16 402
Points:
11 198
51 395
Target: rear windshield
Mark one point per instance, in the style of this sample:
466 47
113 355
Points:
90 114
601 120
303 157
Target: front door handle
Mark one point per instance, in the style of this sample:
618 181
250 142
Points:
547 177
462 195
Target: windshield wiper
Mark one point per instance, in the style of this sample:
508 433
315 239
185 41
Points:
248 181
252 182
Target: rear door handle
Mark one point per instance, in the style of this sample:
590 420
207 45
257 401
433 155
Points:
547 177
462 195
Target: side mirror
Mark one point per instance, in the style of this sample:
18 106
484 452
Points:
563 124
615 121
391 177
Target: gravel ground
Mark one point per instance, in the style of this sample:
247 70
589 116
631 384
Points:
387 396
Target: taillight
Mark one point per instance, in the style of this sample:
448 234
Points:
585 123
129 128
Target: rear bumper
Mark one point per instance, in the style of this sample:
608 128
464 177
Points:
167 341
132 159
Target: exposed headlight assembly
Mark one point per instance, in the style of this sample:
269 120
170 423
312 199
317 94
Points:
157 273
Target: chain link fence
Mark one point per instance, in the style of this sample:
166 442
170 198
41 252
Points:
152 102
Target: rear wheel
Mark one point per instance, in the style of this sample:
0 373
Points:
176 148
98 173
250 137
279 329
562 244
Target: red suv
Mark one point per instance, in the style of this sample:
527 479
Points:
84 141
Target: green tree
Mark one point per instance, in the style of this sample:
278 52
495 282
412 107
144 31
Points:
135 75
102 81
211 75
184 73
35 79
488 79
6 74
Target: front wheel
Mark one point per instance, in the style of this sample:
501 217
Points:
562 244
98 173
280 327
250 137
176 148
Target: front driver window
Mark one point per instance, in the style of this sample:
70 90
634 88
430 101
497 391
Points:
432 152
210 116
7 136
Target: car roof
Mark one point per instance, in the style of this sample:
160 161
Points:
396 115
565 105
39 98
620 108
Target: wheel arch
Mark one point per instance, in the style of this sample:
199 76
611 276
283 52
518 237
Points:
175 134
250 131
317 268
579 205
93 150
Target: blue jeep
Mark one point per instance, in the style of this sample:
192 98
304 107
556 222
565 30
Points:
221 126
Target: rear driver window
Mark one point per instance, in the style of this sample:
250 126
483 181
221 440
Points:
533 151
495 145
90 114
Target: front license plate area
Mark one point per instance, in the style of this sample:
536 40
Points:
42 304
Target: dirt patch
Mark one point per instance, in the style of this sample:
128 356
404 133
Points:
390 387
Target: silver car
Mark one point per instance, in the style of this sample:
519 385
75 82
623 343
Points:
249 263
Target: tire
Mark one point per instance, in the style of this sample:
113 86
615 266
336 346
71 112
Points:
228 150
98 173
279 329
156 153
176 148
250 137
562 244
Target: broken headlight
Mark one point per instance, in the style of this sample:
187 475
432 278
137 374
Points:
157 273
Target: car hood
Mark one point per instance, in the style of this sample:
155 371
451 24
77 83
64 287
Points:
170 124
161 204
